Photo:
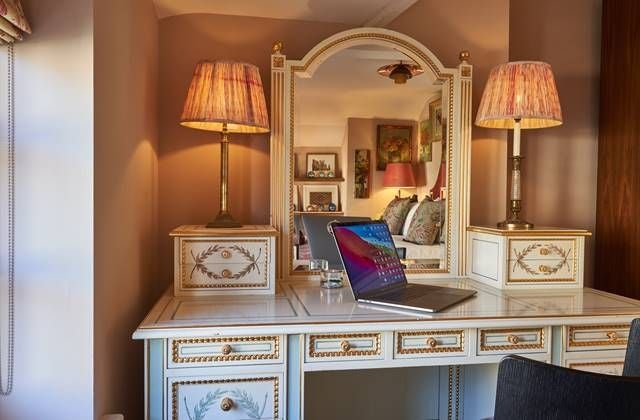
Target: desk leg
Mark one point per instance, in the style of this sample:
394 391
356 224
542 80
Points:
295 377
154 393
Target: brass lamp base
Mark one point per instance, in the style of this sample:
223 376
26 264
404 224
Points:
515 225
224 220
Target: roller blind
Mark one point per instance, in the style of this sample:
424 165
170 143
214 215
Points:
13 24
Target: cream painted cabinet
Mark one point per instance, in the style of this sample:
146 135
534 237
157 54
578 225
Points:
526 259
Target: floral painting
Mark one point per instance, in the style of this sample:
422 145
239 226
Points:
436 120
425 146
393 145
362 174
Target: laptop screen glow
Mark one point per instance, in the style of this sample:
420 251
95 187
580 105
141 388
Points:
369 256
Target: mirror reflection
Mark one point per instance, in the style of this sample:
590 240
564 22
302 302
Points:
370 142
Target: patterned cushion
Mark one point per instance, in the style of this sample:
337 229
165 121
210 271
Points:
426 223
395 213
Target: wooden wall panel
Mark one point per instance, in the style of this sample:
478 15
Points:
618 210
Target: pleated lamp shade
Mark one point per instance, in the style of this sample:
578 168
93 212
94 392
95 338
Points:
398 175
226 92
524 90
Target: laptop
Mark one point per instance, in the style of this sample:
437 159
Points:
376 275
321 241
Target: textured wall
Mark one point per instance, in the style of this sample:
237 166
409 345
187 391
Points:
126 83
560 166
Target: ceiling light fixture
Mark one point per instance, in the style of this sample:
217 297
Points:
400 72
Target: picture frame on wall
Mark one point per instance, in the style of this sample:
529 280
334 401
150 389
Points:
393 145
320 197
322 165
362 176
436 119
425 148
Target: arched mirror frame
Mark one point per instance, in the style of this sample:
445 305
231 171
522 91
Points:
457 88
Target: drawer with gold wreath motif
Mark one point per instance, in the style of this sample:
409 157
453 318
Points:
224 261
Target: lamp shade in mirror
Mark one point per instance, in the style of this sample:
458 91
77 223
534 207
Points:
399 175
226 93
520 90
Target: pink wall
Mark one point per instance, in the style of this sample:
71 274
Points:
561 163
126 139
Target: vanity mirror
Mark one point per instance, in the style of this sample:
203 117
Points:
356 102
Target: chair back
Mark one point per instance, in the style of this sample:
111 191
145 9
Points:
632 358
528 389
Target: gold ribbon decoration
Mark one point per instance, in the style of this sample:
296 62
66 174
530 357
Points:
13 23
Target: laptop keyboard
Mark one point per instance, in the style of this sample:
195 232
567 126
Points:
405 294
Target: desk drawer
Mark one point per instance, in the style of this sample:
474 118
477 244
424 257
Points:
512 340
347 346
232 397
596 337
607 365
550 249
430 343
219 351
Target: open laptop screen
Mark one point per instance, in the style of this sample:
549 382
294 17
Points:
369 256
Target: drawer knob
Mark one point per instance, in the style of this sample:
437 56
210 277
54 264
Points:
227 349
226 273
345 346
544 251
613 336
513 339
544 268
226 254
432 342
226 404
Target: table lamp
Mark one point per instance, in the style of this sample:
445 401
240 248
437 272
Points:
519 95
227 97
399 175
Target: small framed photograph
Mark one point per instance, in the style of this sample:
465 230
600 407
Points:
322 164
320 197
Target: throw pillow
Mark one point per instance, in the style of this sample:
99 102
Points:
396 213
426 223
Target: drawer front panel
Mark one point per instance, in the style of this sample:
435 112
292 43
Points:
596 337
224 263
435 343
349 346
607 366
231 397
549 249
527 271
512 340
218 351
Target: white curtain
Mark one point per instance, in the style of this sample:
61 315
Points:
13 24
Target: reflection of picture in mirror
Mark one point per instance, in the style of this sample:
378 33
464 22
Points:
393 145
362 173
321 164
319 197
435 118
425 149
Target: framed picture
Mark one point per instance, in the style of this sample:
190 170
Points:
319 197
362 175
393 145
425 146
435 119
322 165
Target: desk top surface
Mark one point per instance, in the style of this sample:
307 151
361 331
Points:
303 307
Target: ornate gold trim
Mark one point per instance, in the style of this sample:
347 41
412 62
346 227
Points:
446 78
177 343
529 233
276 390
400 349
342 353
224 283
608 363
571 330
519 260
507 332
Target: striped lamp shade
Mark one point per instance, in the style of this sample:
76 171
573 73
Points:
226 92
524 90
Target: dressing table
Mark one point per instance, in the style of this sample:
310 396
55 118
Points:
282 347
